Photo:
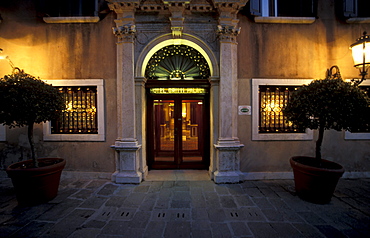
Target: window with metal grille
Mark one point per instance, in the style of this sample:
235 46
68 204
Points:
80 115
355 8
272 99
367 129
283 8
66 8
365 133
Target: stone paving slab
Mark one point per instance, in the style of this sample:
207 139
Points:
266 208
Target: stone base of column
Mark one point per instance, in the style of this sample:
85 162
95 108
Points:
227 177
228 163
127 163
127 177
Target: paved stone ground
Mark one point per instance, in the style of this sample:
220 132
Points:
269 208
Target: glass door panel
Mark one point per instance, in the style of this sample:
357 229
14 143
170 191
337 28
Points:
164 130
176 132
192 118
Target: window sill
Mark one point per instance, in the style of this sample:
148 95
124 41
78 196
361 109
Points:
71 137
358 20
308 135
71 19
356 136
285 20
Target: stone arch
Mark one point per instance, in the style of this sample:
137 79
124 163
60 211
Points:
166 40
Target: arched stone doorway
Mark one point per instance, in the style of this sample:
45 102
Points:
192 81
178 121
138 40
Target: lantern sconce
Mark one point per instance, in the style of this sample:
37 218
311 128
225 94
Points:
361 56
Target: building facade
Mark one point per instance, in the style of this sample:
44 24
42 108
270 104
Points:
181 84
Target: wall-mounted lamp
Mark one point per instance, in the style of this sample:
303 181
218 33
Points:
361 56
2 56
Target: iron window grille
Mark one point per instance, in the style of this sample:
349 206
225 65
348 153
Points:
366 130
272 100
80 115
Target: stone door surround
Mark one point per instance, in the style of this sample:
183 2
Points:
211 27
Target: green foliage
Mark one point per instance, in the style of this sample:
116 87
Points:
329 104
25 100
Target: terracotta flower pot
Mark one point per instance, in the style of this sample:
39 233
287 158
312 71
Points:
315 184
36 185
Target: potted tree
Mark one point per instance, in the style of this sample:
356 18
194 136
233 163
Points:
330 103
24 101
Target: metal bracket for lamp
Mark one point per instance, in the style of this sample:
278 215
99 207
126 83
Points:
14 69
333 75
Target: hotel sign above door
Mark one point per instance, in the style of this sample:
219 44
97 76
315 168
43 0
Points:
178 90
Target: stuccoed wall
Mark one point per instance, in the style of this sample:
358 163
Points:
292 51
60 51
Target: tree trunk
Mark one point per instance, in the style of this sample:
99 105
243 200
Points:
30 140
318 145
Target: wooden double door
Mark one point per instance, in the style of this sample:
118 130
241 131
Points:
178 132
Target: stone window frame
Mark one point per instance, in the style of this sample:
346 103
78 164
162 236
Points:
359 135
262 16
308 135
74 17
99 83
351 13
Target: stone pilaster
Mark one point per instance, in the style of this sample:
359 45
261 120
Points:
126 145
141 122
228 144
214 122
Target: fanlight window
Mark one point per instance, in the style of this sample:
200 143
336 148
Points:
177 62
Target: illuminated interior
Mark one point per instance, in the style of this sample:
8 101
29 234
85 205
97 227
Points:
80 115
272 101
185 129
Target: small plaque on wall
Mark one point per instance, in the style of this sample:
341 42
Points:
244 110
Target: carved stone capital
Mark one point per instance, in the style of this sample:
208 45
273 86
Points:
125 33
228 28
228 33
125 10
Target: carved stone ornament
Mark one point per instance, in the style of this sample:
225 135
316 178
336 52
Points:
228 33
125 33
179 9
120 6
